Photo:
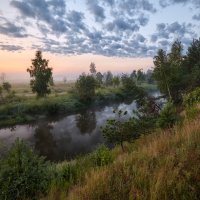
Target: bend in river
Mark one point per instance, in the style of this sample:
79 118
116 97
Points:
65 137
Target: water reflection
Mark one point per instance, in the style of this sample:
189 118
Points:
86 121
45 144
64 137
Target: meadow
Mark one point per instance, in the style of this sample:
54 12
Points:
23 106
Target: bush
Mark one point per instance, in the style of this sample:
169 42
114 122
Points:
192 112
23 175
192 98
102 156
85 87
65 175
168 116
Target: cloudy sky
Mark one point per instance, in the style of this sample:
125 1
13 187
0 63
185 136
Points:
117 35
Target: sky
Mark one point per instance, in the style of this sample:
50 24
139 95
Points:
117 35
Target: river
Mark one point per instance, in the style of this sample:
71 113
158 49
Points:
65 137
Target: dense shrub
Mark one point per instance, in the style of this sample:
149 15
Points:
102 156
23 175
168 116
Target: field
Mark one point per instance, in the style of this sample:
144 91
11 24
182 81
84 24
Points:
24 89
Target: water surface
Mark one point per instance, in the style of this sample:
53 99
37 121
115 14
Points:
64 137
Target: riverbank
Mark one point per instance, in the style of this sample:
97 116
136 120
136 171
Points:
162 165
25 109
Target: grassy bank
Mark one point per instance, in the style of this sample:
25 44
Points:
25 107
164 165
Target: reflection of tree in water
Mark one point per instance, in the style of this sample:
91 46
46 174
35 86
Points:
86 121
44 141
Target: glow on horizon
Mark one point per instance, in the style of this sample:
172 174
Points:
69 66
119 36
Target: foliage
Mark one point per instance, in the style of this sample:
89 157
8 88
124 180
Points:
168 116
1 94
116 81
128 84
190 102
159 166
192 98
93 68
117 131
108 78
147 113
6 86
41 75
99 78
102 156
23 175
85 87
175 73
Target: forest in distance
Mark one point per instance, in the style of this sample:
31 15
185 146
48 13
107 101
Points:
155 150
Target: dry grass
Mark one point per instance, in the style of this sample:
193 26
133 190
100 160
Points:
162 166
23 89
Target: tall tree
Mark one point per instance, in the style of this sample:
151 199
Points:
99 78
108 78
85 87
192 63
116 81
41 75
161 72
2 77
93 68
7 86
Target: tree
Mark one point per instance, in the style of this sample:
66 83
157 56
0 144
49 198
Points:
161 72
23 175
139 76
168 116
116 81
133 74
93 68
99 78
41 75
192 64
128 84
118 131
85 87
1 94
65 80
108 78
3 77
6 86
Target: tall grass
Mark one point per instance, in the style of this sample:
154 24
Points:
163 165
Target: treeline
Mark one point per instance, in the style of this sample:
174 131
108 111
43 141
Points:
176 73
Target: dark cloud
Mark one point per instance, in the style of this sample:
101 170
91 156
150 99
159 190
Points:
132 6
140 38
165 3
143 20
10 29
76 21
164 31
122 24
65 31
10 47
51 12
96 10
154 38
109 2
166 34
196 17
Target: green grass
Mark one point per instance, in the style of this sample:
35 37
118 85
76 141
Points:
25 107
164 165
